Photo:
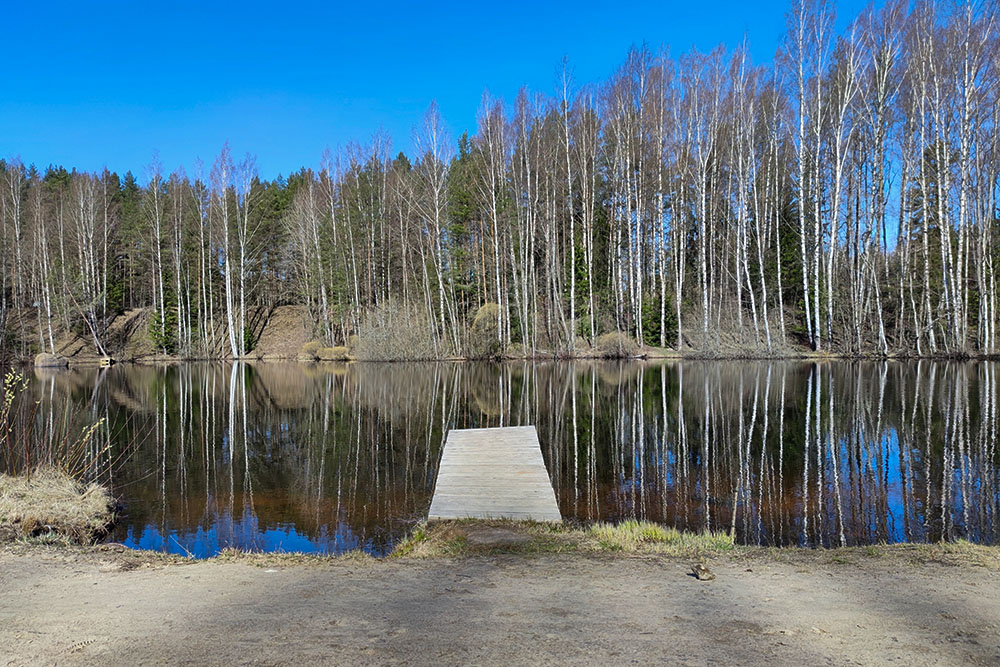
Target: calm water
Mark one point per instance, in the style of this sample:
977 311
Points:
329 458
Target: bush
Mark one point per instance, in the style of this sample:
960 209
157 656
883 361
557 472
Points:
163 332
249 340
310 351
616 345
339 353
651 322
395 332
483 342
517 351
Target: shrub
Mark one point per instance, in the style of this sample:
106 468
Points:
651 321
339 353
163 331
310 351
249 340
616 345
395 332
516 351
483 342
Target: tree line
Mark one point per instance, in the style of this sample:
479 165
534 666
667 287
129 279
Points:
842 197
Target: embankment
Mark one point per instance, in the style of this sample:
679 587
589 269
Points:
279 334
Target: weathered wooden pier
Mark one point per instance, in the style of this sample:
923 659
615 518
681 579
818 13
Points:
493 473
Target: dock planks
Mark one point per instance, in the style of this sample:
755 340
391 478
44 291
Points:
493 473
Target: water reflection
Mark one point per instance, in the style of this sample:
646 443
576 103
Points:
331 458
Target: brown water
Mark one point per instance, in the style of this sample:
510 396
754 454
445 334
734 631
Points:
335 457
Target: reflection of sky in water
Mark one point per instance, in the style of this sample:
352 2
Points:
245 534
895 495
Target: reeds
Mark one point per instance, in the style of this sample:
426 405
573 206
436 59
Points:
24 448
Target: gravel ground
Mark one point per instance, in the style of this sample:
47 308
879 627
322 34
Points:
113 607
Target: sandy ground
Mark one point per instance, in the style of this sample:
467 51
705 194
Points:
512 609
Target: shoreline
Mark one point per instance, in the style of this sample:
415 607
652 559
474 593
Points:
647 354
475 538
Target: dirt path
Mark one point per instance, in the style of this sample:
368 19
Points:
58 609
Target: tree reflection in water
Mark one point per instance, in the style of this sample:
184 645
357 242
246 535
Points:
335 457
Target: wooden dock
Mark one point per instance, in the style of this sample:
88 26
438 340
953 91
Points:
493 473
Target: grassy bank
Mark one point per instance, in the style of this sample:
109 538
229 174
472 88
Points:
470 538
477 537
448 541
50 505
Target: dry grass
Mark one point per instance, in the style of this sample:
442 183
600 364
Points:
615 345
339 353
308 352
471 537
474 537
630 539
447 538
395 331
289 558
315 351
960 553
48 502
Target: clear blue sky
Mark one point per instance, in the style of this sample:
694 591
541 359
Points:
88 84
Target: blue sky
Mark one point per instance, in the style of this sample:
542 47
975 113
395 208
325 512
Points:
88 85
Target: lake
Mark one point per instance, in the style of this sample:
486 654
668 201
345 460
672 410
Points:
333 457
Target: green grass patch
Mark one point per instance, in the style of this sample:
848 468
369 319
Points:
411 542
645 537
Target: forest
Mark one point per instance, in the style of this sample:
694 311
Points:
841 199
